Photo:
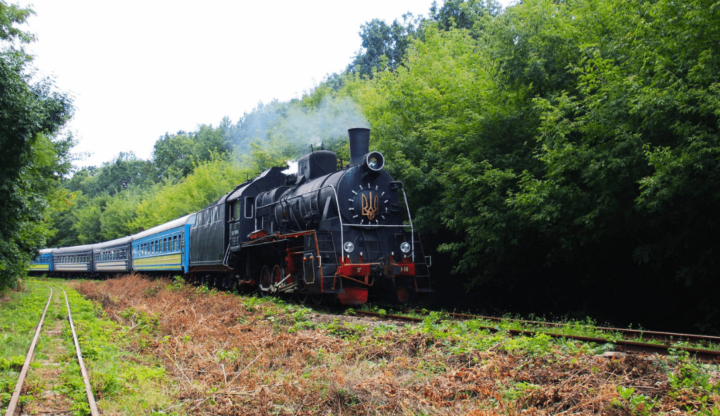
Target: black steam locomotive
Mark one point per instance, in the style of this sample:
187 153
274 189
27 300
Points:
323 233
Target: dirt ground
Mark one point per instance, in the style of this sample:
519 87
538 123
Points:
235 355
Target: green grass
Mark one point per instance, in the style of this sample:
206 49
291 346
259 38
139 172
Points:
19 315
585 328
123 381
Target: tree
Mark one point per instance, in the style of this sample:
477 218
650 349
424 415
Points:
176 155
385 45
30 113
124 171
462 14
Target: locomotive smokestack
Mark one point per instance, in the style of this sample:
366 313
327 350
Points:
359 144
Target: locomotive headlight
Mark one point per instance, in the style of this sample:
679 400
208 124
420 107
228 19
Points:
375 161
349 247
405 247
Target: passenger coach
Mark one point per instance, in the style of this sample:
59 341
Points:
165 247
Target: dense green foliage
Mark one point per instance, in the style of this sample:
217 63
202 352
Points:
30 161
572 148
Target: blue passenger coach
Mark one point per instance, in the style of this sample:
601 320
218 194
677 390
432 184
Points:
164 247
44 261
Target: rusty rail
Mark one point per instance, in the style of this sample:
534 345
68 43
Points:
708 356
26 366
667 337
83 370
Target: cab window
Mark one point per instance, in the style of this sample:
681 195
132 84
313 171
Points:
249 206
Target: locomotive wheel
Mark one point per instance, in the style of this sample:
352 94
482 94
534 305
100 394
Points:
302 297
317 299
277 276
230 281
264 282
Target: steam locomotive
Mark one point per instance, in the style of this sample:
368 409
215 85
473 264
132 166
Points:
324 233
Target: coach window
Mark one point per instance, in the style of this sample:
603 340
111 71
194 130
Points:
249 206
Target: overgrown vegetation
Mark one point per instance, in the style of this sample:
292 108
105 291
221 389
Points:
20 312
123 380
239 355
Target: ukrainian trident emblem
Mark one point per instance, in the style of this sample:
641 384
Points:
370 206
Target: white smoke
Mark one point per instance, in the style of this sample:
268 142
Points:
327 123
292 167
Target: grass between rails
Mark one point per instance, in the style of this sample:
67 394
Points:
123 381
243 355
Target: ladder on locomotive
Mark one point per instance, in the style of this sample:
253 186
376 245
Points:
326 248
422 271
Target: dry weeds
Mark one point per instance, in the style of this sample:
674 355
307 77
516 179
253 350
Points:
233 356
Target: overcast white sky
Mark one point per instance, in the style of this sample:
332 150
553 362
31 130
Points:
138 69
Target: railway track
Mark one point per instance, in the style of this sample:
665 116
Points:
12 407
630 334
664 345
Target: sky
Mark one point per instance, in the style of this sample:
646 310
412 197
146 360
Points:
139 69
